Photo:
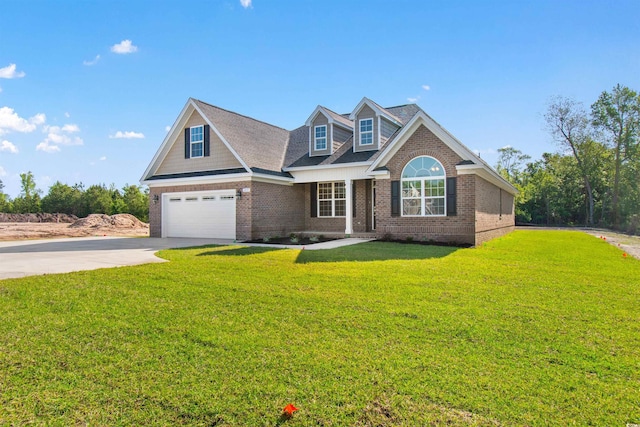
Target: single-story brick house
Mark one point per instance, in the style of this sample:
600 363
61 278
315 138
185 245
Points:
383 172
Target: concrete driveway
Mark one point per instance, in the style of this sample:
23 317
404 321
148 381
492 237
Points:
34 257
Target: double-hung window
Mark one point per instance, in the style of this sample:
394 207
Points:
423 188
366 131
320 138
197 141
332 199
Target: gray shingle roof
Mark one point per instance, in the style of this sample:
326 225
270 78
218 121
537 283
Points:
267 148
339 118
404 113
298 152
259 144
386 110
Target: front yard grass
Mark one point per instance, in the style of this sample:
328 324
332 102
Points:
534 328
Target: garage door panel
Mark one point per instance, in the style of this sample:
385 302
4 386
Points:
205 215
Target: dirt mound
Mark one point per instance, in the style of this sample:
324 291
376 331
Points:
38 217
118 221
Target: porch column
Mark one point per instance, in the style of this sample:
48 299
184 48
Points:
348 229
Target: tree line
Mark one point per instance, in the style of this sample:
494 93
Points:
76 200
594 178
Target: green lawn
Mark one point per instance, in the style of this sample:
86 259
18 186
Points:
536 328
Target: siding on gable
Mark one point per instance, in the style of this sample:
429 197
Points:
365 113
387 129
221 157
340 136
319 120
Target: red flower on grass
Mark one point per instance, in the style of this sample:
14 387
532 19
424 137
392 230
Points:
289 410
624 255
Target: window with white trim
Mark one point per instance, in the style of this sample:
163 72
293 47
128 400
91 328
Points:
332 199
320 137
423 188
196 138
366 131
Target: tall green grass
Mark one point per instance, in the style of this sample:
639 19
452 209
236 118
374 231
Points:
534 328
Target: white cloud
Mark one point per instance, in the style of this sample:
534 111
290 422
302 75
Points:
127 135
46 147
57 136
245 3
426 87
70 128
38 119
0 89
8 146
167 128
9 72
2 171
124 47
103 158
413 100
94 61
67 115
11 121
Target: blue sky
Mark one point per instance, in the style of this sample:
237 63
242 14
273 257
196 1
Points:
88 88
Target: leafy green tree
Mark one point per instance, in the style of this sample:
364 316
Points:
617 115
118 204
137 201
97 199
62 198
29 199
511 161
568 124
5 201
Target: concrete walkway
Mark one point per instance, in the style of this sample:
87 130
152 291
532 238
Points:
34 257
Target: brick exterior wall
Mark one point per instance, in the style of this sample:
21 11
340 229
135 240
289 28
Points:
452 229
277 210
484 211
494 211
360 223
266 210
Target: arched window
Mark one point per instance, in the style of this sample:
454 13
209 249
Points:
423 187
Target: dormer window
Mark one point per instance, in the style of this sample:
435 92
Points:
366 131
320 138
197 141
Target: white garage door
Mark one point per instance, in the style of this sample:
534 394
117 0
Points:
205 214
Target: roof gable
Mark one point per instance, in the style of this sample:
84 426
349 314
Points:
471 163
332 117
376 108
255 144
258 144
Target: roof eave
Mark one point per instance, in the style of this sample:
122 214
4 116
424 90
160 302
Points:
329 166
487 175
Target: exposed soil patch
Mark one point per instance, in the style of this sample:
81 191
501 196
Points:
38 217
116 222
46 226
